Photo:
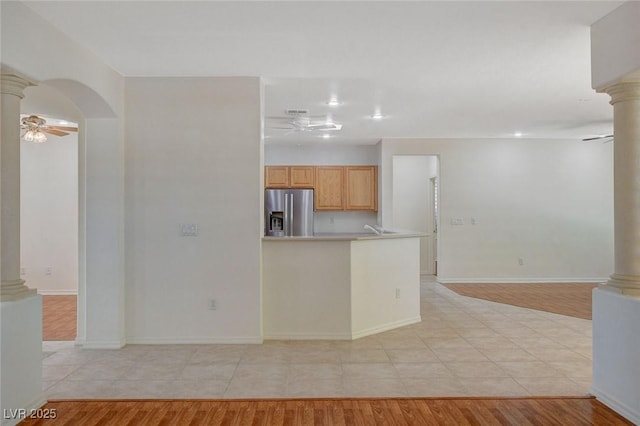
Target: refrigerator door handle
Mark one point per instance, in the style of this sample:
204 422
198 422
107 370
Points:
287 224
291 213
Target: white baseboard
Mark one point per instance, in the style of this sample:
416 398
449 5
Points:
385 327
192 340
57 292
101 344
521 280
619 407
33 405
307 336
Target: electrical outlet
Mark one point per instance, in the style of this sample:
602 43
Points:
48 270
213 305
520 261
397 293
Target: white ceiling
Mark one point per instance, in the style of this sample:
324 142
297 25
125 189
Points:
433 69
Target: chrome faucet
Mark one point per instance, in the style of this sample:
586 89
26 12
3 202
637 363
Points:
374 229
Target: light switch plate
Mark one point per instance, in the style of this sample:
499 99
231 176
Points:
190 230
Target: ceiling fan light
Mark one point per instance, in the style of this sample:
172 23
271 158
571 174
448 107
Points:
39 137
28 136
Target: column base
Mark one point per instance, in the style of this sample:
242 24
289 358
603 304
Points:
628 285
15 290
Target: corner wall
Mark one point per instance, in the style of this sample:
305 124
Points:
547 202
193 156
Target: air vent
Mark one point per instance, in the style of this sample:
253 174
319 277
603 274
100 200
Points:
296 111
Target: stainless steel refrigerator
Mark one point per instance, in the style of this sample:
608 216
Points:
288 212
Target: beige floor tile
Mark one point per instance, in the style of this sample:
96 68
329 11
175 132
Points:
493 386
261 371
315 388
519 369
534 342
57 372
370 387
555 354
307 372
574 369
144 371
363 355
477 332
438 386
457 355
491 342
80 389
411 355
507 354
475 369
369 371
412 342
557 386
92 372
422 370
220 371
195 389
256 388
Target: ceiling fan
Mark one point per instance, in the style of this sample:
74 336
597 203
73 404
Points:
604 138
35 128
299 120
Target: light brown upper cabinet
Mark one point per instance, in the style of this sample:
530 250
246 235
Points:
276 177
289 176
302 176
329 188
361 188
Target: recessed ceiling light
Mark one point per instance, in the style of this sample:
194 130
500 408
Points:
326 136
334 102
517 134
377 116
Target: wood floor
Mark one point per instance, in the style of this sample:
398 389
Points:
571 299
396 411
59 315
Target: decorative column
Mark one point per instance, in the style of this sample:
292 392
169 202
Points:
625 98
12 286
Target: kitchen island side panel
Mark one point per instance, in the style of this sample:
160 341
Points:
385 284
306 289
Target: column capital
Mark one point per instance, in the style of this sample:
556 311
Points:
13 83
623 91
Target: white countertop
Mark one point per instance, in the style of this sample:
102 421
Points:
349 236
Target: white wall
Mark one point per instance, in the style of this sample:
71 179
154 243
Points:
193 157
412 201
319 155
548 202
49 214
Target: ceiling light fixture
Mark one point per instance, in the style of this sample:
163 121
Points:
377 116
334 102
326 136
517 134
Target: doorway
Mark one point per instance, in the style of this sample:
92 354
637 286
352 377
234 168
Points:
415 203
49 206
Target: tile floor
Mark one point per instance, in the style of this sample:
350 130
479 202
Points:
463 347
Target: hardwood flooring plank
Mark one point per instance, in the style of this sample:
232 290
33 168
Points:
358 411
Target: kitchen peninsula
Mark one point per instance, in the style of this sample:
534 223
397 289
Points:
340 286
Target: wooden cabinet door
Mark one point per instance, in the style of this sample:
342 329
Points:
361 188
301 176
276 177
329 188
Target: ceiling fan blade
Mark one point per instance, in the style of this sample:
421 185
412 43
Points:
64 128
54 132
596 138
